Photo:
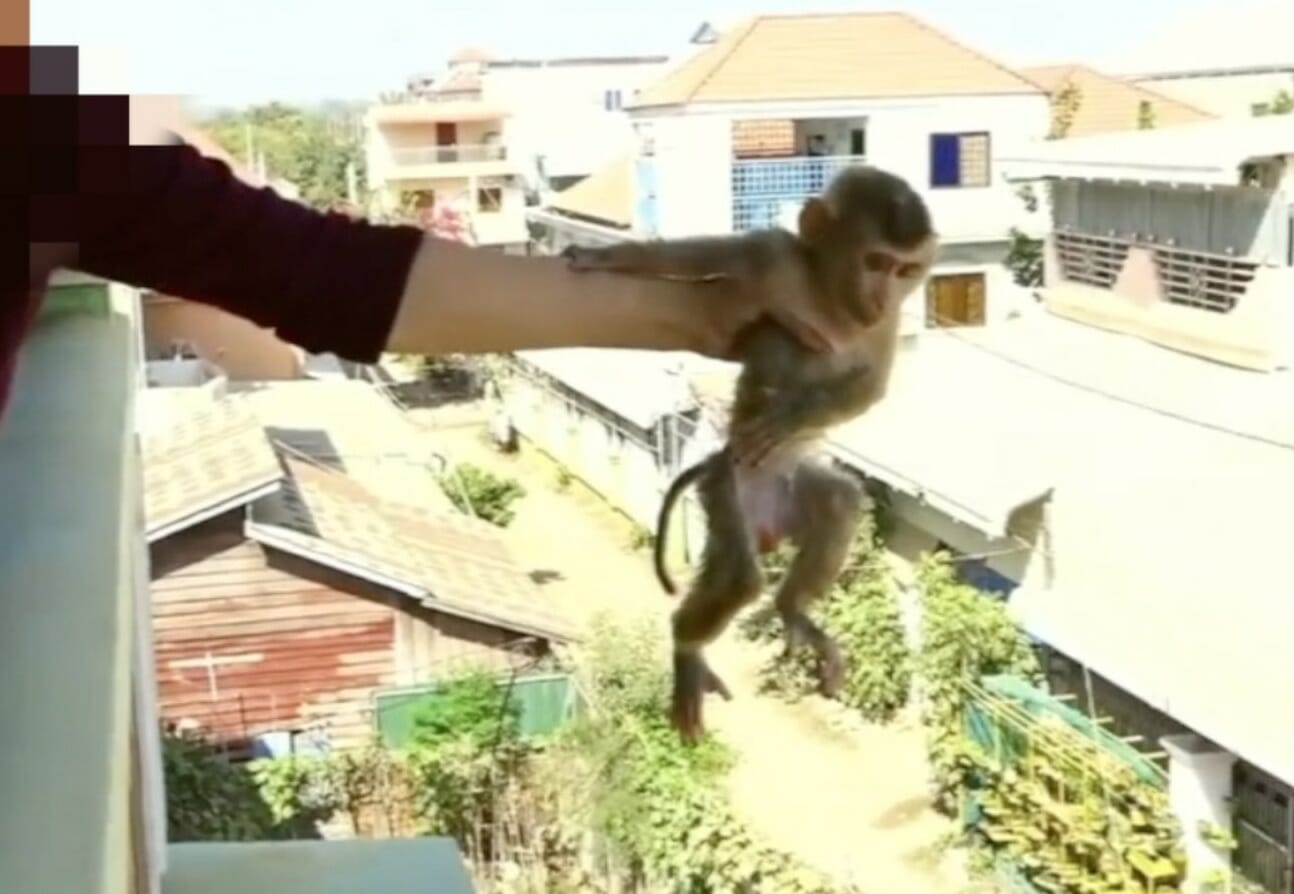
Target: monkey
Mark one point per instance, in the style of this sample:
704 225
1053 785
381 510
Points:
862 247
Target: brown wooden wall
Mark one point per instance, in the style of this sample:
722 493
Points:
315 643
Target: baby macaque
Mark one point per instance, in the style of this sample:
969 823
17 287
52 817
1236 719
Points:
862 247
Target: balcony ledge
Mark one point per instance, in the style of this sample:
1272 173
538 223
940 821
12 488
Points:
396 866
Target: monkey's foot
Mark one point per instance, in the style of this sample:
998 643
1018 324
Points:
831 671
693 679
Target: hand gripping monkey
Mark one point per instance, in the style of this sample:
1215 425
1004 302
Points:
862 247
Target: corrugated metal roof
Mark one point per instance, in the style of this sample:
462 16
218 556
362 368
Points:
1209 152
832 56
1107 104
456 564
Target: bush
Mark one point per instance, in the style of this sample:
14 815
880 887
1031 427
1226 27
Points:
210 799
475 491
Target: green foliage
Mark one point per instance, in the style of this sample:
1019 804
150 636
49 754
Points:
479 492
862 615
297 789
1024 259
310 148
1280 104
210 799
965 635
471 707
864 618
658 803
1065 104
1145 115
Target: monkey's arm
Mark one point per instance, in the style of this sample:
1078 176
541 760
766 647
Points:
788 406
699 257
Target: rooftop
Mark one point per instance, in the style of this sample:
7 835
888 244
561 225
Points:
1108 104
639 386
816 57
606 196
203 453
1208 152
351 426
1170 479
452 562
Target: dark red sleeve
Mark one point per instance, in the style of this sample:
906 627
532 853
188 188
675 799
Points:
186 226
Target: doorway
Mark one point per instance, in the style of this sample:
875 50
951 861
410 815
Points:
446 141
955 299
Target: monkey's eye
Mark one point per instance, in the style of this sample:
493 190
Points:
876 262
908 271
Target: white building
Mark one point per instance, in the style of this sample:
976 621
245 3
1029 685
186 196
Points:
1229 59
490 133
738 135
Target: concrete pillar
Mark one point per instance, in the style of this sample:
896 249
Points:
1199 788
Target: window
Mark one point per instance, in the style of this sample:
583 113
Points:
955 299
489 199
959 160
858 142
612 100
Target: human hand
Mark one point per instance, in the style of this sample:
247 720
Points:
728 307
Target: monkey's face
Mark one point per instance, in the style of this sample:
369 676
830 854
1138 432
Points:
887 274
873 240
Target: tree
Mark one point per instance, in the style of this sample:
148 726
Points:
1065 104
1024 259
1145 115
310 148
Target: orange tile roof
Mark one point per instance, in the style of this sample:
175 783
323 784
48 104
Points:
832 56
206 452
462 562
1107 104
605 195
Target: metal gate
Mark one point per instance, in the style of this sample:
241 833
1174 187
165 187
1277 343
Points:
1264 829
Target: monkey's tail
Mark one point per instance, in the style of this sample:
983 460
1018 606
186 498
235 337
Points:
676 488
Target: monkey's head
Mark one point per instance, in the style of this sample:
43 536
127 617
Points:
871 240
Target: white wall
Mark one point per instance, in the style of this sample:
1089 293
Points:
695 156
1224 94
559 111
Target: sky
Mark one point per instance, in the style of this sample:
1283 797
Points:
236 52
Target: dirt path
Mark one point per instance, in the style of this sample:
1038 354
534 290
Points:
847 798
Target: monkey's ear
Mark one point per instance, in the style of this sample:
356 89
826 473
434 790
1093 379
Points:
815 219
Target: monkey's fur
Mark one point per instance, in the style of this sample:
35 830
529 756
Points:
862 247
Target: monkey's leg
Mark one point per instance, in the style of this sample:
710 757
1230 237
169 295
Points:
825 512
729 578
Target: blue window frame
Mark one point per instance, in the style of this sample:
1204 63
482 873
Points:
959 160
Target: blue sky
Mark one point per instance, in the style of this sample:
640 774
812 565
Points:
240 51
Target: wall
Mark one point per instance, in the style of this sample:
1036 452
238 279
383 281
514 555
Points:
321 642
1224 94
610 457
694 156
422 135
559 111
245 351
1257 333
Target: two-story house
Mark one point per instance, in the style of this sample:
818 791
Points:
739 134
448 146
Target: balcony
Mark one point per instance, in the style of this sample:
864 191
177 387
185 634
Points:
766 190
82 801
432 162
